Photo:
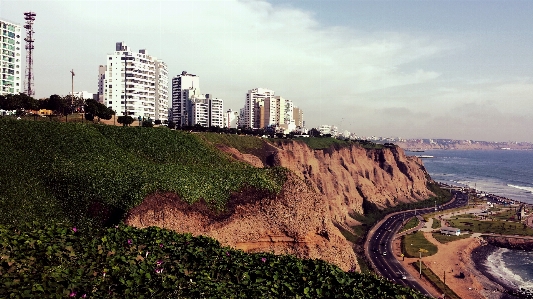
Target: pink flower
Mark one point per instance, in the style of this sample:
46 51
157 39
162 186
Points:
160 245
159 262
227 253
84 296
73 294
159 270
74 229
130 241
264 259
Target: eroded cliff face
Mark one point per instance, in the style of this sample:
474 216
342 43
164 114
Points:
347 176
325 186
296 221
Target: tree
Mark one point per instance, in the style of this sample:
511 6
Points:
18 102
314 132
147 123
171 124
125 120
94 108
57 104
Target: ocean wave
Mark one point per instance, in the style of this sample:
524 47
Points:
528 189
497 267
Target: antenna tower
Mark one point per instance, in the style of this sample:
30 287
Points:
29 17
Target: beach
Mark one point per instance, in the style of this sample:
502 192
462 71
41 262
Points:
466 256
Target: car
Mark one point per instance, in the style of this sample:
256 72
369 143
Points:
384 253
403 276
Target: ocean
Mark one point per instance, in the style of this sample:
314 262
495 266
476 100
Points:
505 173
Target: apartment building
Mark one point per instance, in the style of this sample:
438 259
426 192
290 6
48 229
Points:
257 109
184 87
11 59
190 107
135 84
298 116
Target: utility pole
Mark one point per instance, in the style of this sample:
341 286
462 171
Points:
72 90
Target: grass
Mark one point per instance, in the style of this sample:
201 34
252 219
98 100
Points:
412 243
436 223
412 223
327 142
443 239
245 144
487 226
435 281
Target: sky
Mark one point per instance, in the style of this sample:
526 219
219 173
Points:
409 69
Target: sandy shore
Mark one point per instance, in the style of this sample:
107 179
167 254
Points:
452 259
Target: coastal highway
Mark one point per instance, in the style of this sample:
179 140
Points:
378 246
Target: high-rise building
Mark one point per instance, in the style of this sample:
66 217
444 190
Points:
190 107
216 112
183 87
259 109
10 57
298 116
137 78
231 119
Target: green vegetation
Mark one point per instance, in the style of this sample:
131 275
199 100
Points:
443 239
59 261
89 174
245 144
487 226
435 281
436 223
412 223
327 142
412 243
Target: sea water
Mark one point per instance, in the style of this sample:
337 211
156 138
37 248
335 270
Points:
505 173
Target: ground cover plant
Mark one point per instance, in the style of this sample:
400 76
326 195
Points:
413 244
59 261
92 174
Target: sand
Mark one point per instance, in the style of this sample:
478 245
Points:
453 258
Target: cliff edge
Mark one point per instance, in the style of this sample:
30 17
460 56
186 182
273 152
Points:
323 189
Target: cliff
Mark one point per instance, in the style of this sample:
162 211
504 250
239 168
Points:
293 222
324 187
350 175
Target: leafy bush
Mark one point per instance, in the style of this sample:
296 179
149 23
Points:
57 261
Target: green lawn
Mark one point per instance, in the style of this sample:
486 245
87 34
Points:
435 280
436 223
487 226
443 239
412 243
412 223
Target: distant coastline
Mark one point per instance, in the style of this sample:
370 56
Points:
421 145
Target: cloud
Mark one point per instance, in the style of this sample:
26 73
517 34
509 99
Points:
388 83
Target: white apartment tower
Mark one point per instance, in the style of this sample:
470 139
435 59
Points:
10 57
190 107
137 78
257 109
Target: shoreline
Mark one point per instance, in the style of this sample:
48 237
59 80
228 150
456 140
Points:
490 282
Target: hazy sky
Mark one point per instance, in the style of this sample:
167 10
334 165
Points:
413 69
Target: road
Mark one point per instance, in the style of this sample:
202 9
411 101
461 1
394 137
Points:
378 246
